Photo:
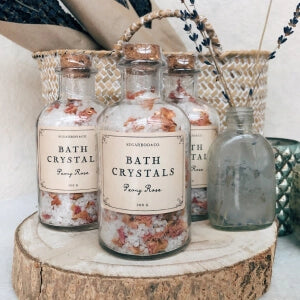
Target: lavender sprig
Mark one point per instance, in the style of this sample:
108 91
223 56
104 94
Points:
207 42
287 31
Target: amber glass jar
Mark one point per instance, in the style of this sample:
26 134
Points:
67 149
144 166
180 88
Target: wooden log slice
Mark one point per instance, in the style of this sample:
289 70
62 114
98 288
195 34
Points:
50 264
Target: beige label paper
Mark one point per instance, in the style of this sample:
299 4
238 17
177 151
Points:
143 173
67 159
201 139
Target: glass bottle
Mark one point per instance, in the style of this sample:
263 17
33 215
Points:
67 149
180 89
241 176
144 148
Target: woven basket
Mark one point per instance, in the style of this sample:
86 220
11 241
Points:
240 69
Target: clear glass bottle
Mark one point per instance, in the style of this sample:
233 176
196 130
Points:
180 89
67 149
241 176
145 152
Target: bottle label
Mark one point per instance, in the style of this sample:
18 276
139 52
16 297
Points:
201 139
67 159
143 174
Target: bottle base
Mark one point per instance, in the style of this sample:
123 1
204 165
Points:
84 227
246 227
196 218
144 257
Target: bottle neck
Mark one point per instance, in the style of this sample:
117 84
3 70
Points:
79 88
240 119
180 87
140 82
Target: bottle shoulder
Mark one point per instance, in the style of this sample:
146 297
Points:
230 139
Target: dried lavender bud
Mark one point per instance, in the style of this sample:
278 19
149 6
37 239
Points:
293 22
194 14
225 96
281 40
206 42
199 48
272 55
193 37
187 27
287 30
184 15
207 63
200 26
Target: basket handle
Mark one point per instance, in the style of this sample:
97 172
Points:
160 14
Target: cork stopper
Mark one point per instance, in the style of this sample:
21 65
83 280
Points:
181 61
81 61
76 65
142 52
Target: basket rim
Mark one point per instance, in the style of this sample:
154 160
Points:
252 52
101 53
41 54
